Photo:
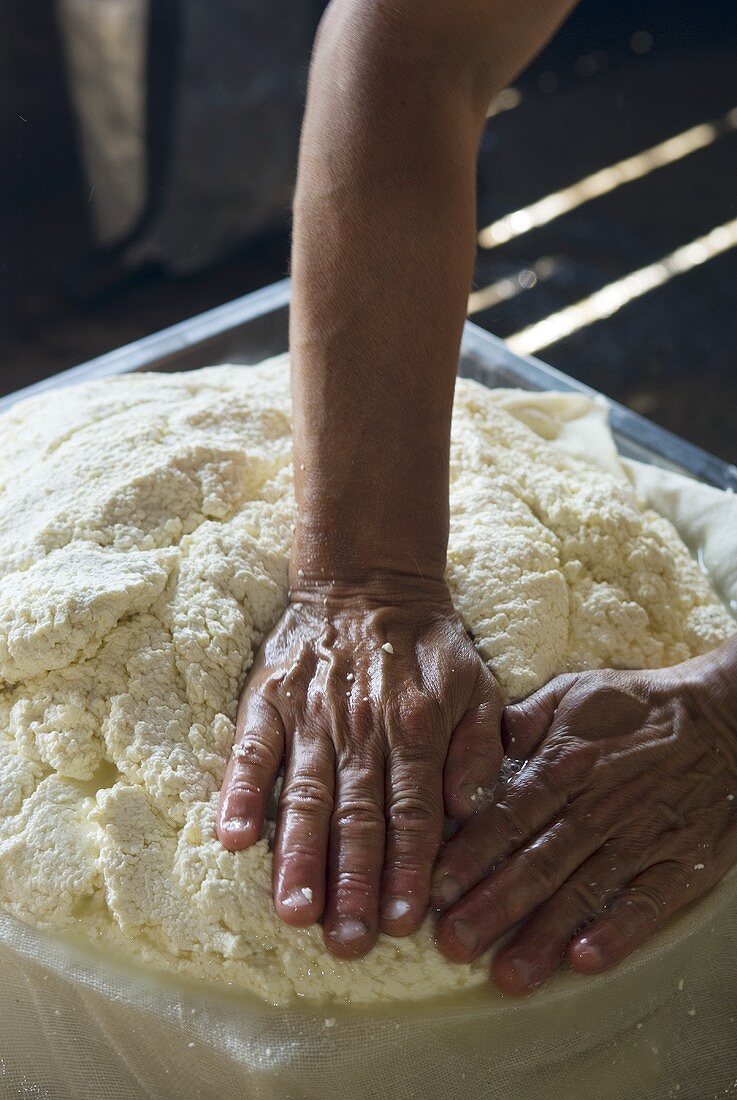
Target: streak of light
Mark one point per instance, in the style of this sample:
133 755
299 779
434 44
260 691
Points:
614 296
606 180
510 287
505 101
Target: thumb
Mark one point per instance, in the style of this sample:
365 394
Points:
524 724
475 752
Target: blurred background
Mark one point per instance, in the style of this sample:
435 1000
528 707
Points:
148 152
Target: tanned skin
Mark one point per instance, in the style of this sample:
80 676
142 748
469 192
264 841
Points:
368 689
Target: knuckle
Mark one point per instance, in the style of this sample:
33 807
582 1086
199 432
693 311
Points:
256 752
361 765
509 824
540 867
585 898
406 862
307 793
566 682
412 814
349 882
241 788
648 902
415 760
298 853
622 852
358 813
268 687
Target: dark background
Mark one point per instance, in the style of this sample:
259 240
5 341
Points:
619 78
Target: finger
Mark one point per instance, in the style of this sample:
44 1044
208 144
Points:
648 901
414 818
355 859
528 802
475 752
535 952
524 724
254 765
519 886
303 829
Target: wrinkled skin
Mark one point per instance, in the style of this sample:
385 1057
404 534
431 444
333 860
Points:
625 812
376 746
382 260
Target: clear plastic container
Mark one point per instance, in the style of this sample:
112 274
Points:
78 1024
256 326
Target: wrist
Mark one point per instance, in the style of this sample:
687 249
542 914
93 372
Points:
372 589
364 551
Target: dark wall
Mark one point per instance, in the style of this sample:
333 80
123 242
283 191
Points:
36 128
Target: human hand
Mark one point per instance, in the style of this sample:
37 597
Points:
625 812
384 715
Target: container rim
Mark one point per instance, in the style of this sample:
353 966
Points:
481 354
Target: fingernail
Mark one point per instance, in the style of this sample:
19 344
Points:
587 953
465 935
236 824
349 929
395 909
448 890
299 898
521 973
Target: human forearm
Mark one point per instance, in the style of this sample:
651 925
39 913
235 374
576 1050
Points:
382 261
369 688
